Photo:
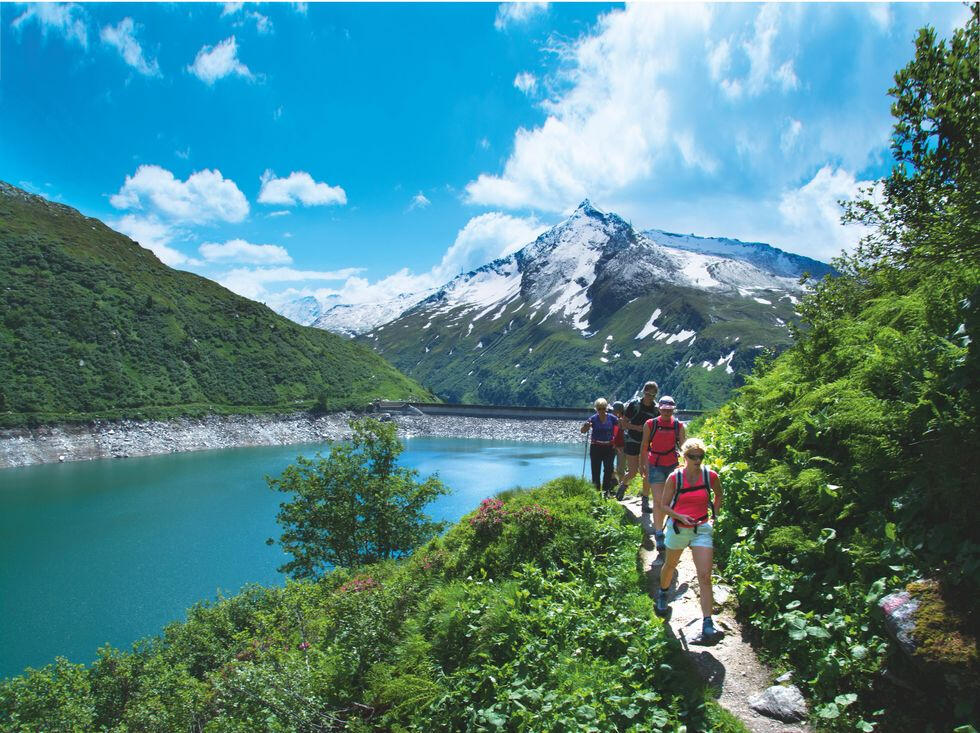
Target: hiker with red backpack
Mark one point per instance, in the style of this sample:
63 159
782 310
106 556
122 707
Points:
662 438
691 500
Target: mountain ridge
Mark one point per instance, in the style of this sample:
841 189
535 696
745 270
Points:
512 330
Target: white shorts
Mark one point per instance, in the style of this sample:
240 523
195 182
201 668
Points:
687 537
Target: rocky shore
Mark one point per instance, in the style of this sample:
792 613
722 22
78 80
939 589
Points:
130 438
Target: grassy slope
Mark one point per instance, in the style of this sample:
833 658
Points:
537 623
92 323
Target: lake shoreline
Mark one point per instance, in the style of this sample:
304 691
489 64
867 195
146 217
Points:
131 438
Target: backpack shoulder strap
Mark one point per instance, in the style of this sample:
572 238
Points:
678 486
706 477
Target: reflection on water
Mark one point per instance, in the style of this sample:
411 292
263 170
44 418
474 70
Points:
110 551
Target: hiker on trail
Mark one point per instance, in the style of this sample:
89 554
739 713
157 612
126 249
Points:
662 438
637 412
694 494
601 450
619 442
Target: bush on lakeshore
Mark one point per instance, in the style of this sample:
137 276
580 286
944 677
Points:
542 624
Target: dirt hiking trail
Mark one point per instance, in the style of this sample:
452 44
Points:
729 666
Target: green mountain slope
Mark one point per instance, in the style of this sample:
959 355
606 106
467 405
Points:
516 359
92 323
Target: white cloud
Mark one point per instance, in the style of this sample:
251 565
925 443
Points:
206 196
238 250
283 212
719 58
791 132
485 238
154 235
786 76
216 62
607 129
509 14
262 23
251 282
812 212
690 118
759 48
299 187
183 154
419 201
484 143
526 82
881 14
65 19
123 38
301 8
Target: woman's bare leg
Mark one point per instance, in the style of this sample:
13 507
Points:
703 559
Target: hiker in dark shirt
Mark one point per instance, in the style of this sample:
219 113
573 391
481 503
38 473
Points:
601 450
619 443
637 412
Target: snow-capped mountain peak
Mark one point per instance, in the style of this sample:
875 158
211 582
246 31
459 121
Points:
586 265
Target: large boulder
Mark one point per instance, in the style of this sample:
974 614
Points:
934 634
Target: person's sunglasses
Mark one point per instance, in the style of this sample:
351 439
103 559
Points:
695 456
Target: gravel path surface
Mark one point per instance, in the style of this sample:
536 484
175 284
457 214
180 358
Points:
127 438
730 666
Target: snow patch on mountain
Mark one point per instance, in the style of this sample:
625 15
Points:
649 327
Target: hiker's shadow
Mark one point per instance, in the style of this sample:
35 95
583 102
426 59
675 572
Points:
709 669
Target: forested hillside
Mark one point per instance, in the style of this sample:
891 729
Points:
94 324
852 460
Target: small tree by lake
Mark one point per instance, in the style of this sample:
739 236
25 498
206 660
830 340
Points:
356 506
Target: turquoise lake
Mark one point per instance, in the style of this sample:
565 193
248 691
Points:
111 551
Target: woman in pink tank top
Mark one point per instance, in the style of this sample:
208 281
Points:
691 500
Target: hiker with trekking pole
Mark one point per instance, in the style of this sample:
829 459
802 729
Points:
601 449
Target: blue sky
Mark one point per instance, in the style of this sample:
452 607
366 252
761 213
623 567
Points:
360 150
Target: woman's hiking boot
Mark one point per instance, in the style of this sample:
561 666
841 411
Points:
708 630
661 606
658 537
645 505
620 492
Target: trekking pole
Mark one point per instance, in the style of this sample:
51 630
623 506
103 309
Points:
586 455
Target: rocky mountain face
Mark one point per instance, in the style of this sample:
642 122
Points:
595 308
